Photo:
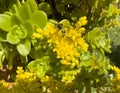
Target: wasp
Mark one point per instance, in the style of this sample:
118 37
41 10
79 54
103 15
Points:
60 27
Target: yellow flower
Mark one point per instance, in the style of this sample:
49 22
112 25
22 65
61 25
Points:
36 35
55 39
62 49
116 80
50 29
66 46
65 62
81 30
68 58
78 24
73 34
39 30
6 84
75 60
82 43
20 70
83 20
45 79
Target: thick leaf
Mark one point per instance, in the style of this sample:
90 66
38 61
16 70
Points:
5 22
16 20
33 5
65 23
40 71
2 57
25 12
39 18
40 66
24 47
29 27
42 62
20 31
33 64
14 9
12 38
18 4
8 13
45 7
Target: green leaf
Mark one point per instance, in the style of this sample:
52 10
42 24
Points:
8 13
45 7
29 27
39 18
12 38
65 23
33 5
16 20
40 66
33 64
2 57
24 47
102 42
15 9
40 71
37 53
5 22
20 31
25 12
18 4
61 8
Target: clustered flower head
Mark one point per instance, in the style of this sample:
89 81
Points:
116 78
66 44
21 74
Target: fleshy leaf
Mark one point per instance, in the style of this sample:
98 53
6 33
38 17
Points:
18 4
5 22
16 20
14 9
33 5
29 27
33 64
39 18
24 47
40 71
12 38
65 22
40 66
2 57
25 12
20 31
45 7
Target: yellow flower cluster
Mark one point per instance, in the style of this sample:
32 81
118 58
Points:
66 43
5 84
116 79
25 75
69 76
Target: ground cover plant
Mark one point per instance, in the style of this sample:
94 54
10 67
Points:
59 46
